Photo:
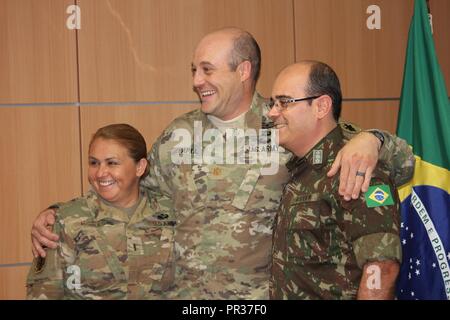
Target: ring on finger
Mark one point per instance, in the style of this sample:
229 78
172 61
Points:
360 173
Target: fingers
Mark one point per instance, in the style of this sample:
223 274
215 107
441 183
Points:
42 237
354 164
367 179
335 166
41 226
45 237
359 154
33 250
367 166
50 218
37 248
343 176
359 180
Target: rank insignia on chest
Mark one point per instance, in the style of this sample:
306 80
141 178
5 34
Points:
317 157
378 196
135 246
216 171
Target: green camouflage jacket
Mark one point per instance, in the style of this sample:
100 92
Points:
105 254
225 212
321 242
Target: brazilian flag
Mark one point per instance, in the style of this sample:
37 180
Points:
424 121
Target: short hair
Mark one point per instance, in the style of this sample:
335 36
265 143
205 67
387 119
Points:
245 48
128 137
323 80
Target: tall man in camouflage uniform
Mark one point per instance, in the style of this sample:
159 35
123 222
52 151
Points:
225 212
324 247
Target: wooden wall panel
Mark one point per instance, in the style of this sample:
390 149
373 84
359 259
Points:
369 62
150 120
141 50
440 10
39 164
372 114
37 52
12 282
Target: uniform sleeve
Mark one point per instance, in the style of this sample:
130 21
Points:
156 183
398 157
46 277
373 225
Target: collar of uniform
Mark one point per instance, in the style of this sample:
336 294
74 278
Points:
141 210
253 118
104 211
296 165
206 124
325 150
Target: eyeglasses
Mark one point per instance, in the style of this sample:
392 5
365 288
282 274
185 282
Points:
284 102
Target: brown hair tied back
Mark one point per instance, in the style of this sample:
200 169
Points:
128 137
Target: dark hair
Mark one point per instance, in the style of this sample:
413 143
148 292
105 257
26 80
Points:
128 137
323 80
245 48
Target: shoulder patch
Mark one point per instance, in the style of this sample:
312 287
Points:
349 127
379 195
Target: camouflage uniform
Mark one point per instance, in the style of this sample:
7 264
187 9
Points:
224 213
322 242
104 253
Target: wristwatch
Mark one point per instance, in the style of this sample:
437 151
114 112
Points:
379 136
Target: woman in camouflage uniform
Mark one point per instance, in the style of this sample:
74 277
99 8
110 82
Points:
113 242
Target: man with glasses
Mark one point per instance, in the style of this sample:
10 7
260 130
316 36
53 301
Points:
325 247
225 212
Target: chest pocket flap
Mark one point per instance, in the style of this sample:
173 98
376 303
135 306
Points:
305 212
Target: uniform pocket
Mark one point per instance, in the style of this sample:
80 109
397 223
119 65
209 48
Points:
305 215
97 266
152 262
306 236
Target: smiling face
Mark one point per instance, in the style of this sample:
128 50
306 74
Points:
297 122
219 88
113 174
